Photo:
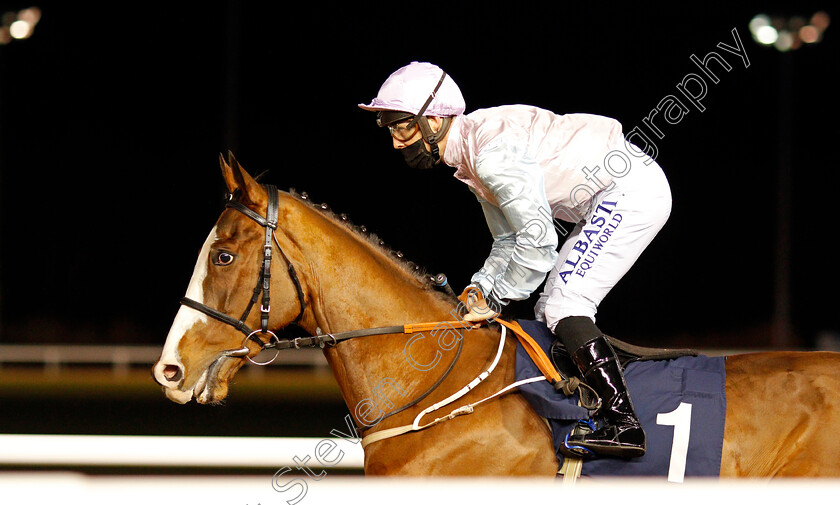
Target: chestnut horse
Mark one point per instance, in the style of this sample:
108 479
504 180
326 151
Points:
783 408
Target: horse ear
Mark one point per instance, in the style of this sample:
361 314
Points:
227 175
236 178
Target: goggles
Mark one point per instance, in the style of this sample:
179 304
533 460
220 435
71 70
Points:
403 132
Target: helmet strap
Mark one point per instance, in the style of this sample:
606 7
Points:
428 100
433 137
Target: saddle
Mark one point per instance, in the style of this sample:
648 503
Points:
626 353
663 378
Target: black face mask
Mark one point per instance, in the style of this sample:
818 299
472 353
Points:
417 156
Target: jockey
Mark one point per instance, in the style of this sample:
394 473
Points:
528 168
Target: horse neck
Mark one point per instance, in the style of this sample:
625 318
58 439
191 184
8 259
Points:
354 284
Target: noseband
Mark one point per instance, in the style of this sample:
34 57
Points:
269 222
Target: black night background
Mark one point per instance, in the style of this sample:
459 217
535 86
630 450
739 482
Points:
112 118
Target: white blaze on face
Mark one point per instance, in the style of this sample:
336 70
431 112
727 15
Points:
187 317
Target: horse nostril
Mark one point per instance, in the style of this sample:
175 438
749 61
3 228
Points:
172 373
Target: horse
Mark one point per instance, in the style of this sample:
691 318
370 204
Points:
329 277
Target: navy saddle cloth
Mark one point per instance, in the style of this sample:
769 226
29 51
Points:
681 404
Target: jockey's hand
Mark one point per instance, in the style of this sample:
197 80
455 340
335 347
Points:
478 311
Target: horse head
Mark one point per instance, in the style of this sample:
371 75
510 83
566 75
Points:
207 344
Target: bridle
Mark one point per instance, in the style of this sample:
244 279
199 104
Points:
269 222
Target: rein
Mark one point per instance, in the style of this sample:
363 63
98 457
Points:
263 286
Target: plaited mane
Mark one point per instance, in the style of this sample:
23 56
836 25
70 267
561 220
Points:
424 277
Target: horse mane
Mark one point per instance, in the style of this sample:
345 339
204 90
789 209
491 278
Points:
413 269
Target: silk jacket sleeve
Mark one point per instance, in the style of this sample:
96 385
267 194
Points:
504 240
524 238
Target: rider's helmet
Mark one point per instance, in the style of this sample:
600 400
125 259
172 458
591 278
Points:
415 91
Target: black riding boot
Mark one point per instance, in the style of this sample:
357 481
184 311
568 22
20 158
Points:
622 435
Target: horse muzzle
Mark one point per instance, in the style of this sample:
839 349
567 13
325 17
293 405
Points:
209 387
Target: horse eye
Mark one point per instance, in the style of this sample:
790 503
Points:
224 258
